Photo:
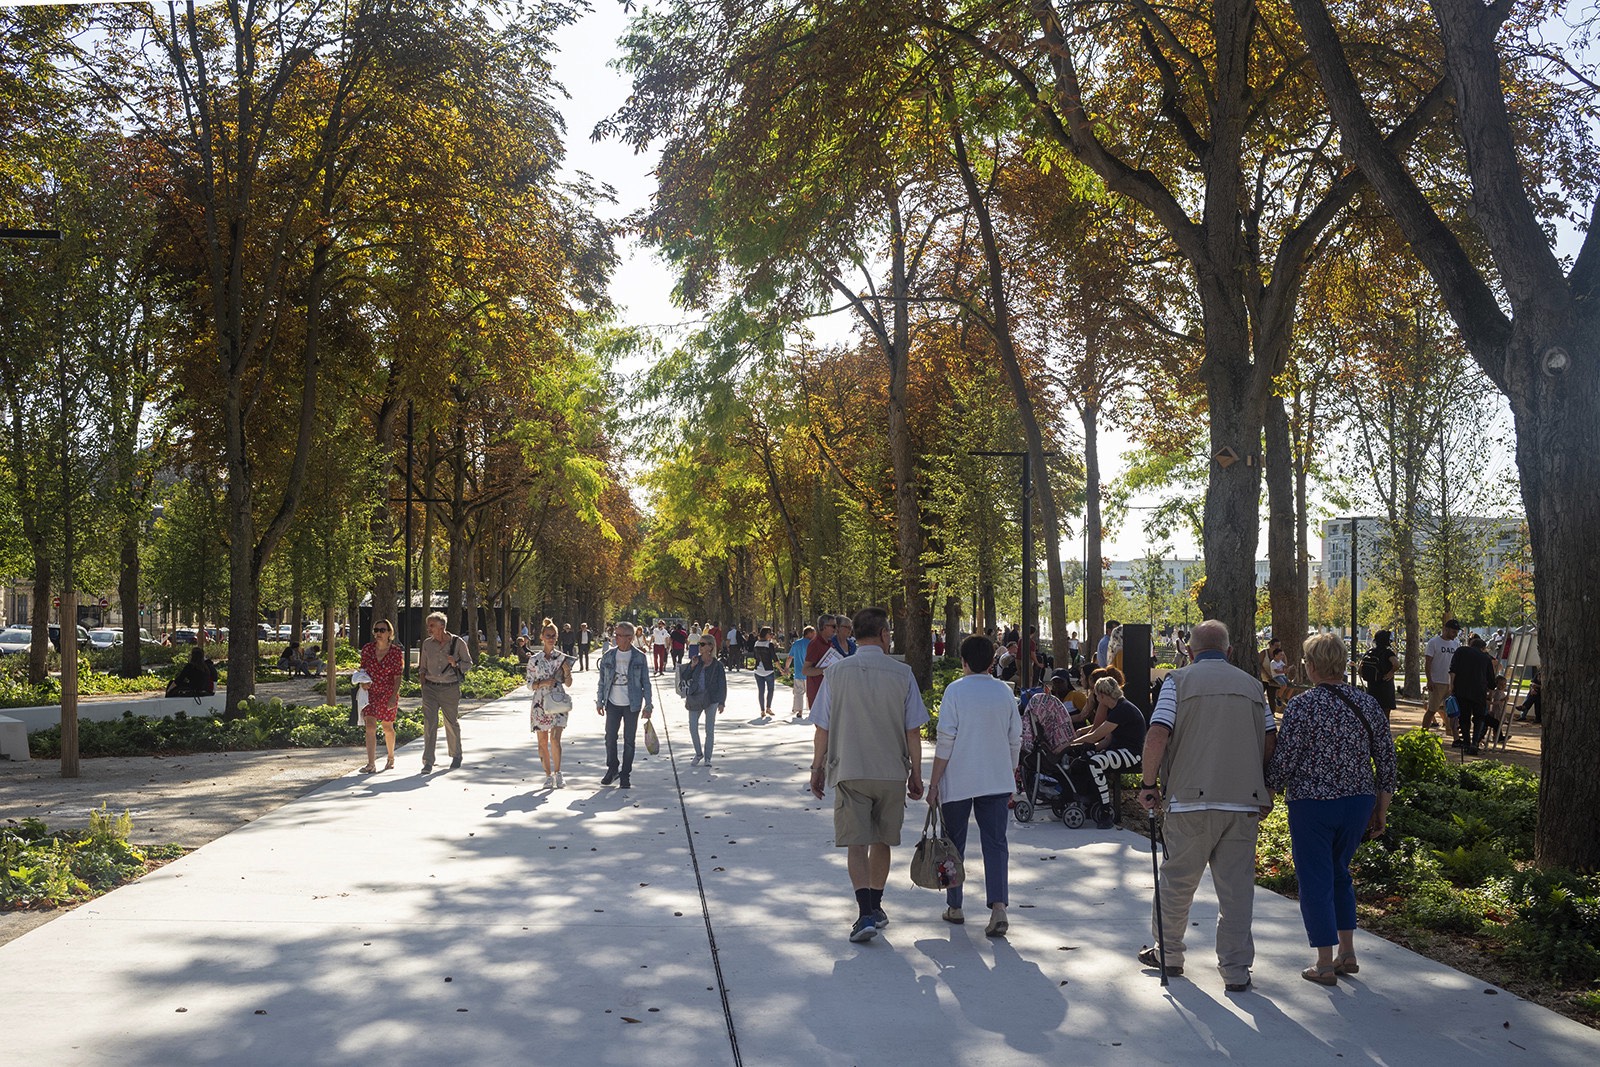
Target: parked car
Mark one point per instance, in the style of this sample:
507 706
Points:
184 637
265 632
83 637
104 638
16 640
286 632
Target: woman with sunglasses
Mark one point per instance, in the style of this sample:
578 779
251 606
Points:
549 672
705 690
383 661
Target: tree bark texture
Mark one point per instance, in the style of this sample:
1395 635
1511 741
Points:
1286 586
1546 358
1094 592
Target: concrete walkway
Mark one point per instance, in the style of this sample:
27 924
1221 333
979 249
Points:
473 917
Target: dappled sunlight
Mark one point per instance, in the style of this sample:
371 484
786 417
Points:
476 917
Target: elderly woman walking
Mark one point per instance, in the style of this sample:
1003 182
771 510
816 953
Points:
980 740
1335 764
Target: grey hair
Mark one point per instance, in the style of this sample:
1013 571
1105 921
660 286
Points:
1209 636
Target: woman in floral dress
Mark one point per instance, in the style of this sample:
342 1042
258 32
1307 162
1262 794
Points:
549 673
384 661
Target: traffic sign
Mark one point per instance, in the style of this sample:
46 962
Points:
104 603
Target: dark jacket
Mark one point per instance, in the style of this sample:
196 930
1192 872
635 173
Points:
705 684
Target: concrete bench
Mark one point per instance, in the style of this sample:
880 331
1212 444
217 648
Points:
13 739
156 707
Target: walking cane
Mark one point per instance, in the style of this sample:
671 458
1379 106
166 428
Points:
1155 868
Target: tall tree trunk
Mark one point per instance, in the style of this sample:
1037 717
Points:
1000 328
39 650
952 624
128 596
908 513
1094 593
1287 592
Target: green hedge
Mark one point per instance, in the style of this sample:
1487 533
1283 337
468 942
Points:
260 724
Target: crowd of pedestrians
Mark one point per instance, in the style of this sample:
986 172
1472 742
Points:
1213 754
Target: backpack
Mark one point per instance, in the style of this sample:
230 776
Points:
1373 664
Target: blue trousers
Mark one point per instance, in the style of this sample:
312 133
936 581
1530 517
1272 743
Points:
1323 835
991 812
765 685
625 720
711 730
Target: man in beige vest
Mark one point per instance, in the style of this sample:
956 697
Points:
1210 736
869 717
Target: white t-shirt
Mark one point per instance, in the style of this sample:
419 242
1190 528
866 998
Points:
980 734
619 683
659 635
1443 650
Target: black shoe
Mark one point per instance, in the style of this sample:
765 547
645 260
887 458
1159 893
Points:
1458 744
1237 987
427 768
1151 957
1472 750
455 762
610 777
624 782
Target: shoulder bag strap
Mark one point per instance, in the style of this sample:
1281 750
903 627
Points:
1372 738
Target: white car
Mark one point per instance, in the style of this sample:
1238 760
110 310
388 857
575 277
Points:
104 638
286 632
16 640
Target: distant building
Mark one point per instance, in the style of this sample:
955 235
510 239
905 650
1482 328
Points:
1495 540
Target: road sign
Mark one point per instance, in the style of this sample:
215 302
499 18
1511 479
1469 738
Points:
104 603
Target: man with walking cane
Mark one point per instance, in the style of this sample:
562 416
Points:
1210 737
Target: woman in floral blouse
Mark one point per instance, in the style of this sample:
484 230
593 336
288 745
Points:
383 660
1335 764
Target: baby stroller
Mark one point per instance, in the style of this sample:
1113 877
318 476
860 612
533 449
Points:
1062 784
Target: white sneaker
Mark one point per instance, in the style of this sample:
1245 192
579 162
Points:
560 780
694 761
549 781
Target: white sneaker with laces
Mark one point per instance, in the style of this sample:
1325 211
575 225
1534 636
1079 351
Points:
560 780
549 781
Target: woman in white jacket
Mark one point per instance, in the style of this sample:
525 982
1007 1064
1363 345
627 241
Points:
980 740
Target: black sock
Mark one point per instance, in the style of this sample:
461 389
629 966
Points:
864 901
876 897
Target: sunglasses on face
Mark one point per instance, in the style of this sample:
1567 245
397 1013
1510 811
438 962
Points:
380 629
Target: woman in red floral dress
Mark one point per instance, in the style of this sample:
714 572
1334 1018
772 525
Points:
383 661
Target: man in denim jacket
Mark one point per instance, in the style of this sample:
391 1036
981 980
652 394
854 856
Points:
623 694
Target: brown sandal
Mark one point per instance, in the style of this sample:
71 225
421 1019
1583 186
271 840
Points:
1328 975
1346 964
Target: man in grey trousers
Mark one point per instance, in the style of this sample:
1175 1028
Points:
442 663
1210 737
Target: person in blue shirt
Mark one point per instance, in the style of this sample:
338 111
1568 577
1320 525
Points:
791 667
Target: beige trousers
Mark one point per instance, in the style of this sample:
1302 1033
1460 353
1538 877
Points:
1225 841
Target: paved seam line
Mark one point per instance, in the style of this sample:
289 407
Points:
700 884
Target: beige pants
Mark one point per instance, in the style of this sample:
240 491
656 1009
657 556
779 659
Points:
437 698
1225 841
799 688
